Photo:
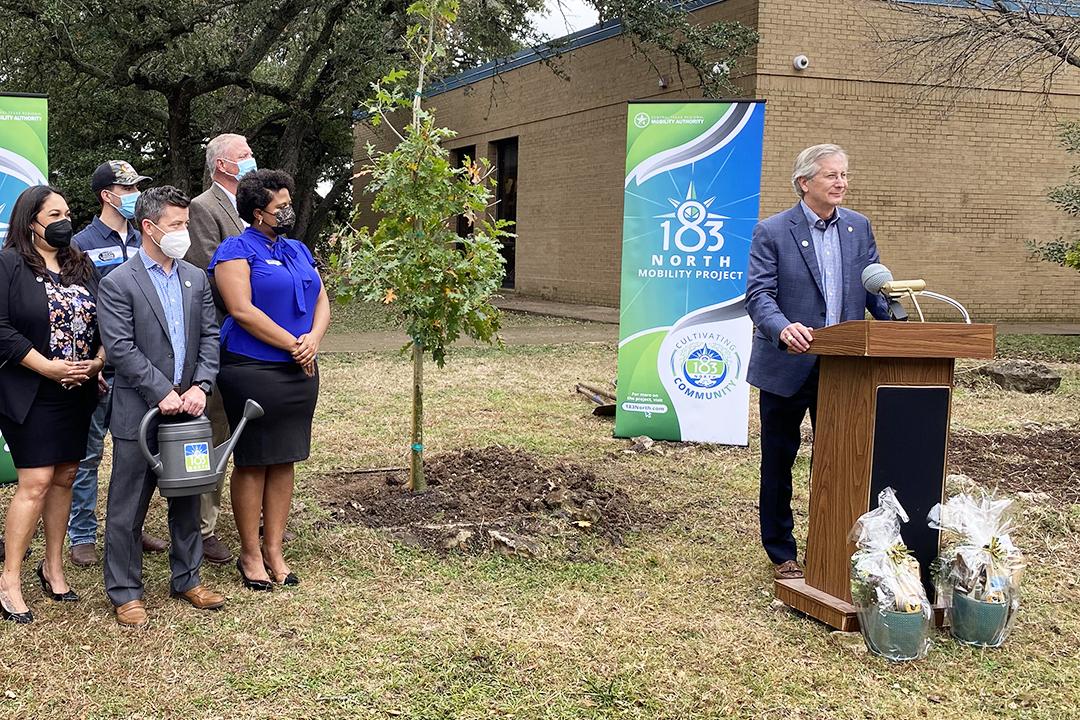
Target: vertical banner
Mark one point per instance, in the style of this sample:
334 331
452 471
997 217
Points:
693 181
24 143
24 149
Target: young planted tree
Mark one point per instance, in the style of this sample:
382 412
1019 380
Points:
437 283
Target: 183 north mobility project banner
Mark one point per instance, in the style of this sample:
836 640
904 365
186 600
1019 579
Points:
693 181
24 149
24 132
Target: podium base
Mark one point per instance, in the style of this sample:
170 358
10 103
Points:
822 606
817 604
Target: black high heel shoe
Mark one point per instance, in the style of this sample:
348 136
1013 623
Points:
68 596
23 618
261 585
289 579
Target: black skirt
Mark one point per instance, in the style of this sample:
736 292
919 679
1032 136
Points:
56 428
288 397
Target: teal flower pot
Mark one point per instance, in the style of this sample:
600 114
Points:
894 635
978 623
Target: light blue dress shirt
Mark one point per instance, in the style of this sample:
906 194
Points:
172 301
826 236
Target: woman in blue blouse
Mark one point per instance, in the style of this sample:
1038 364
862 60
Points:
50 357
278 314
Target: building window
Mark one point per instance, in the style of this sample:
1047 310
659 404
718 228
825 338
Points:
464 228
506 209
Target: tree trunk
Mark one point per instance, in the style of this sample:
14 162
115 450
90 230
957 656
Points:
180 139
416 459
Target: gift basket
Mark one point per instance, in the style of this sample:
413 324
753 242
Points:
894 613
978 572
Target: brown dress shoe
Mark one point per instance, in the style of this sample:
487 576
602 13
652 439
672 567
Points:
788 570
153 544
84 555
132 614
214 551
202 597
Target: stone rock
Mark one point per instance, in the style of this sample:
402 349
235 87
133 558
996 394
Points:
641 444
956 484
1022 376
513 545
588 512
1034 498
458 539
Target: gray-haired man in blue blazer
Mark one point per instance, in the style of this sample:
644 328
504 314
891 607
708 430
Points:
805 272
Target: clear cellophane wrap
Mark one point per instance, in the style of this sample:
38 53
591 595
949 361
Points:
979 561
885 582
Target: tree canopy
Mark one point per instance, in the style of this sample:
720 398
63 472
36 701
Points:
150 81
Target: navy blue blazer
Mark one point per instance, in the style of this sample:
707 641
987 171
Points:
24 325
784 285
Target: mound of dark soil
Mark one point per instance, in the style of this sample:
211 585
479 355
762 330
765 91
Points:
1046 461
490 498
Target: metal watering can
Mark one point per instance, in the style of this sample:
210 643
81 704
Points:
187 462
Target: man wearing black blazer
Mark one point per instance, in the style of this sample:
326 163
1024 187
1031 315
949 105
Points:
161 334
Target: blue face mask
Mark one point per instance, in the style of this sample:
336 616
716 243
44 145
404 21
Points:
127 204
243 167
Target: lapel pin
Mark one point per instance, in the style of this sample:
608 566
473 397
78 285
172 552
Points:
40 279
850 229
805 244
187 283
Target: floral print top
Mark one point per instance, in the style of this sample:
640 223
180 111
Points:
72 320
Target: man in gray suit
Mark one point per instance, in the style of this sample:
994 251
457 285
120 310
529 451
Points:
158 326
805 272
214 218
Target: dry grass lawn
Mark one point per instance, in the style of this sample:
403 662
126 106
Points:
677 624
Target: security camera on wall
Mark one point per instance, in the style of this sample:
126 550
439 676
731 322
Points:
801 62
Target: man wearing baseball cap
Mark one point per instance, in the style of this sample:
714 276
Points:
109 240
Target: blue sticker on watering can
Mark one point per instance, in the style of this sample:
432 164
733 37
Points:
197 457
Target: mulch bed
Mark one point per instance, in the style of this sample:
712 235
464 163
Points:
473 492
1043 461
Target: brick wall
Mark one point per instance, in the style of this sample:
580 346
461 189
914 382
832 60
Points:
954 187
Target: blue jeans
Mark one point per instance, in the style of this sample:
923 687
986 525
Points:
83 522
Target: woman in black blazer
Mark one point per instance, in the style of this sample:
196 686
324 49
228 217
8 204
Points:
50 357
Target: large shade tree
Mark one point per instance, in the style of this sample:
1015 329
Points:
152 80
967 46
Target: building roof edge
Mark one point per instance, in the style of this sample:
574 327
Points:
528 56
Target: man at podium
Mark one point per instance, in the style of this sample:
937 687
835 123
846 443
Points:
804 273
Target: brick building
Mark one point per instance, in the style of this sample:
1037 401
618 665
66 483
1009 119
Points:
954 188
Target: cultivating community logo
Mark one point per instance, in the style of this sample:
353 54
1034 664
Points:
705 365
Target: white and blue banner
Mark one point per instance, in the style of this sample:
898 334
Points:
693 181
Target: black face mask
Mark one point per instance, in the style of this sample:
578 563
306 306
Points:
58 234
285 217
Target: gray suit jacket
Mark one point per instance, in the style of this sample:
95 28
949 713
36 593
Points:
134 332
784 285
212 218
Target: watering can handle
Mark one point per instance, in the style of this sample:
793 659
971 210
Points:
144 425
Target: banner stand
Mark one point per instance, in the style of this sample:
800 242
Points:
691 200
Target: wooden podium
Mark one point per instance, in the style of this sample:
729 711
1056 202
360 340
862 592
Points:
884 395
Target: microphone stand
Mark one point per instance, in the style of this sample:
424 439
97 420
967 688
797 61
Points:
894 300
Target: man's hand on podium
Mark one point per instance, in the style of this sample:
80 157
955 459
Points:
797 337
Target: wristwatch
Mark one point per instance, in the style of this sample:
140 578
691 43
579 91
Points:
206 387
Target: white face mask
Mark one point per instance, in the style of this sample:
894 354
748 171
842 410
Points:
174 244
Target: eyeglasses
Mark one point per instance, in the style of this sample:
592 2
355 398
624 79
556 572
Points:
833 177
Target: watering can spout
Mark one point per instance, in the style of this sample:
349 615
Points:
252 410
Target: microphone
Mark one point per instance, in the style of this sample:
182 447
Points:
877 280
